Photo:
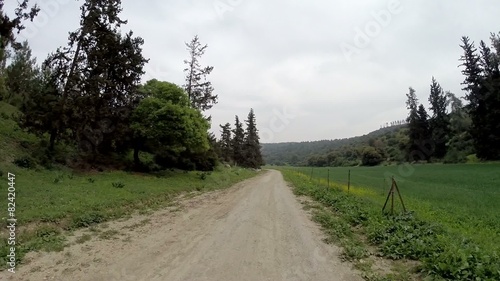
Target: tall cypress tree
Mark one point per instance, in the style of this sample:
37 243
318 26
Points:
482 84
253 156
413 126
225 143
238 142
439 122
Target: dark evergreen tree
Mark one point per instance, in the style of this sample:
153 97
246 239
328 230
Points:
99 73
482 84
10 26
253 156
225 143
198 88
237 142
439 122
41 109
20 75
413 125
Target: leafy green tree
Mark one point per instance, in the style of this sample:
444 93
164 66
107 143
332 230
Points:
99 73
225 143
253 156
198 88
164 124
439 121
370 156
238 142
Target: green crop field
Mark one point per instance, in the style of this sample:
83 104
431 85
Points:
462 200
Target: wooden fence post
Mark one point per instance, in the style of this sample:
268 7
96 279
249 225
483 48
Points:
328 177
349 182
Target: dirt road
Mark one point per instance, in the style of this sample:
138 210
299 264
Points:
256 230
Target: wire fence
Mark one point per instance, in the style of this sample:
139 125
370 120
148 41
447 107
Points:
376 187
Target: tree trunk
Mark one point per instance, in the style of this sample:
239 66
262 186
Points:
53 134
137 160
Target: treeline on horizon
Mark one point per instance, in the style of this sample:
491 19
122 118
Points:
450 131
88 108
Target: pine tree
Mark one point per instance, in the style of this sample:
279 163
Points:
20 75
41 109
10 26
198 88
99 73
413 126
253 156
482 84
238 142
439 122
225 143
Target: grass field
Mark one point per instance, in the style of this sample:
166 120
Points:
463 200
51 202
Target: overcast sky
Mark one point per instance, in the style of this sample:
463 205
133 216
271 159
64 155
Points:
311 70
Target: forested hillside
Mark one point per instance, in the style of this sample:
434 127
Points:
340 152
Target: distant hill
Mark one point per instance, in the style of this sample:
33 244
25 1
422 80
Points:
385 140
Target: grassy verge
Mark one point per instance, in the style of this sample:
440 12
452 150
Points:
48 203
428 247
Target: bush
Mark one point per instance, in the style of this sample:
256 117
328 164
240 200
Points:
24 162
118 185
87 220
371 157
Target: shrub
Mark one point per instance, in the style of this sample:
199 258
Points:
118 185
24 162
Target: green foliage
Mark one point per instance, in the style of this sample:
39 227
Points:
226 145
439 124
251 145
389 142
24 162
237 142
370 157
97 76
482 83
87 219
118 184
163 123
